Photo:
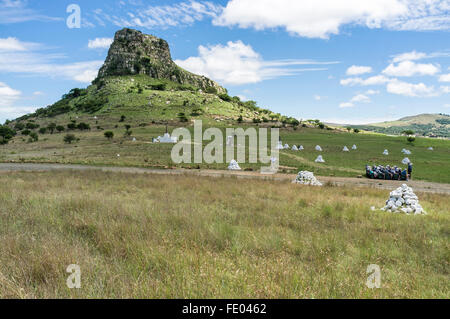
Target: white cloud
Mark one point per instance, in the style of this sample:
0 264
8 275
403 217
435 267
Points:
409 68
409 56
372 92
357 70
237 63
444 78
322 18
360 98
446 105
144 16
21 57
8 95
14 11
445 89
100 43
373 80
346 104
317 97
410 89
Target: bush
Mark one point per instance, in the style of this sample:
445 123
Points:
31 126
408 132
71 126
256 120
158 86
321 126
60 128
26 132
182 117
122 118
411 139
69 138
83 126
19 126
51 127
6 133
42 130
34 137
356 130
211 90
109 135
240 119
225 97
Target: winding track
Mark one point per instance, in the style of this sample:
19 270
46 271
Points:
418 186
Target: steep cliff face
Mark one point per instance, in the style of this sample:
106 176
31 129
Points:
133 52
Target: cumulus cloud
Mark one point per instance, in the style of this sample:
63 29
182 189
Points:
8 95
346 104
237 63
410 89
322 18
100 43
360 98
444 78
14 11
373 80
21 57
445 89
409 56
357 70
410 68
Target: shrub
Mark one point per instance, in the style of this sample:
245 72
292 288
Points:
34 137
60 128
225 97
109 135
42 130
127 127
69 138
256 120
411 139
182 117
71 126
122 118
408 132
356 130
19 126
211 90
6 133
158 86
26 132
31 126
51 127
240 119
83 126
321 126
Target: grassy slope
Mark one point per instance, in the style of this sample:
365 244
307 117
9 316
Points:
418 119
95 149
160 237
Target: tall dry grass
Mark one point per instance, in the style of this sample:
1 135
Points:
148 236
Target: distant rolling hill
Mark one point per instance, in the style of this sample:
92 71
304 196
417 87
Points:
433 125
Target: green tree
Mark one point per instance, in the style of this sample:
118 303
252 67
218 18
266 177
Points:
69 138
34 137
122 118
240 119
60 128
356 130
411 139
51 127
109 135
6 134
42 130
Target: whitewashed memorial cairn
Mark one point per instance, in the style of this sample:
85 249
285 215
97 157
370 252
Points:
406 152
306 178
403 200
406 161
294 148
430 148
280 145
286 146
354 147
318 148
319 159
301 148
234 166
386 152
345 149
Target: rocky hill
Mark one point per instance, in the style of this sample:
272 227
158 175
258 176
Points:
140 81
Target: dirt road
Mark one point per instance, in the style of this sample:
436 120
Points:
418 186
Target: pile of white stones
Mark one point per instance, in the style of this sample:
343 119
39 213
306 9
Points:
319 159
406 161
345 149
306 178
234 166
406 152
386 152
294 148
354 147
403 200
318 148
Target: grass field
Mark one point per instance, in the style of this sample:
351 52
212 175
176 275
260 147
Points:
94 149
186 237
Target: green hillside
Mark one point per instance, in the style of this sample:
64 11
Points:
433 125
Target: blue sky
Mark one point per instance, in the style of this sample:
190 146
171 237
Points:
347 61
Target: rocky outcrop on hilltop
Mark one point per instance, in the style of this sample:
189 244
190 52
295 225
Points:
133 52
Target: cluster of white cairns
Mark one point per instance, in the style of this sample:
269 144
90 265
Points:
403 200
306 178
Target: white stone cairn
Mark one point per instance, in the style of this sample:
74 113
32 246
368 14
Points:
318 148
286 146
166 138
301 148
386 152
280 145
345 149
406 161
234 166
354 147
403 200
430 148
306 178
319 159
406 152
294 148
